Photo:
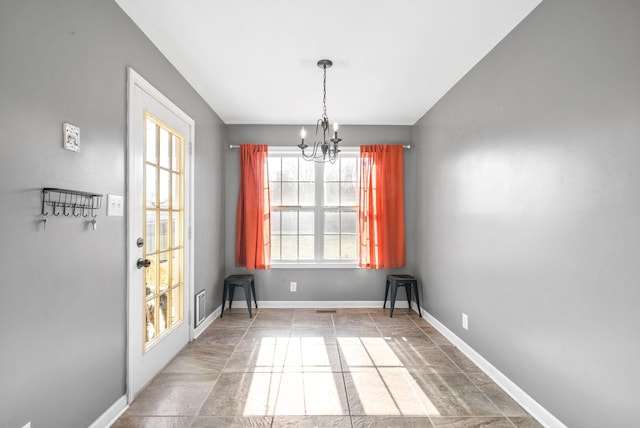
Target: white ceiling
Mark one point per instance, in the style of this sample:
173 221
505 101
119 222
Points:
254 61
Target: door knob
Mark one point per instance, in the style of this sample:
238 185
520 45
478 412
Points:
143 263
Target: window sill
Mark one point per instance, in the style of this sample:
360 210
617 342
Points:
314 266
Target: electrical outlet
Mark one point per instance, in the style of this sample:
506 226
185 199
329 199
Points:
293 287
465 321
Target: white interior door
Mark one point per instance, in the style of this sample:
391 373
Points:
160 286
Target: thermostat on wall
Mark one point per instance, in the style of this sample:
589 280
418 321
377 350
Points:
71 139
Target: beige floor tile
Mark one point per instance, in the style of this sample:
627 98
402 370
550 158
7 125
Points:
231 422
310 318
390 422
525 422
242 394
386 392
446 383
272 321
471 422
236 318
265 358
354 353
324 335
214 338
414 342
252 332
502 400
495 393
398 320
356 331
353 321
255 342
200 359
173 395
427 360
311 422
453 394
311 354
409 330
461 360
153 422
303 394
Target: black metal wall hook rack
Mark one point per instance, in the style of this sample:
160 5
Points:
70 203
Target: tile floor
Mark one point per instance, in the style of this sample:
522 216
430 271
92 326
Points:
353 368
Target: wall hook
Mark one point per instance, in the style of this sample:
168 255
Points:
70 203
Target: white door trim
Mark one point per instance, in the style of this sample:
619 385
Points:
133 80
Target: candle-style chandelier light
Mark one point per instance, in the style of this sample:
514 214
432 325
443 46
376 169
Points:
325 150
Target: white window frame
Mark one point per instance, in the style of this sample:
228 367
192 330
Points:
318 210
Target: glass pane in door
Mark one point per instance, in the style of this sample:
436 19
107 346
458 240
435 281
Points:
164 245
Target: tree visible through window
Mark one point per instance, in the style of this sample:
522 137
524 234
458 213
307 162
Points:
313 209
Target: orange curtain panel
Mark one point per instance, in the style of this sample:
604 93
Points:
381 210
253 223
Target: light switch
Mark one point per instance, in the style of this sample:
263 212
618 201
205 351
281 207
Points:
115 205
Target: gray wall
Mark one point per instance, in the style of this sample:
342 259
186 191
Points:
313 284
63 304
530 217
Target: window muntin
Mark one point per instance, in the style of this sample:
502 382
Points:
313 209
163 238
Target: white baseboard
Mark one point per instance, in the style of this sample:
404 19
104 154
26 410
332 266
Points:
522 398
280 304
111 415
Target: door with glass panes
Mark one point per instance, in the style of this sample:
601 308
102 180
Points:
159 274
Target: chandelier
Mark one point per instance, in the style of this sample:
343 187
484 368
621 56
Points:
325 150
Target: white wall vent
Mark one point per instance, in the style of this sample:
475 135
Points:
200 309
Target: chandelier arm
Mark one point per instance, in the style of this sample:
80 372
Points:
314 154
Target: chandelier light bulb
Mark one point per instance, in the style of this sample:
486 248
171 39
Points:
303 133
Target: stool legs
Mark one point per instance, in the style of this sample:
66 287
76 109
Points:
247 294
253 290
394 293
232 289
386 293
410 285
230 285
225 290
417 299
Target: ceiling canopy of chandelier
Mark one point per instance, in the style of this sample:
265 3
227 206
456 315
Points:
325 150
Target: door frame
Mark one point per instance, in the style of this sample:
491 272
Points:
136 80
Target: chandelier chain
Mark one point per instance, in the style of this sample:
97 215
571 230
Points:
324 93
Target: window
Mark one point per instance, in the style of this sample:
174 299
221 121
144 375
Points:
314 213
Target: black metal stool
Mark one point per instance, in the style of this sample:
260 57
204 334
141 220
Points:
408 282
230 284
